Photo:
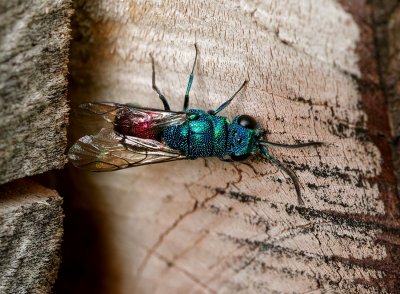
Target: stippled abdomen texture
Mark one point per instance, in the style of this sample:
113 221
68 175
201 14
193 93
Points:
203 135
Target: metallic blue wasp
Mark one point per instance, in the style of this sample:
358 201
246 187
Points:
139 136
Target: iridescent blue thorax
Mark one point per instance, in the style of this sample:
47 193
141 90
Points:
205 135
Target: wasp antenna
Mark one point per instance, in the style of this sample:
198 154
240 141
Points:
301 145
288 171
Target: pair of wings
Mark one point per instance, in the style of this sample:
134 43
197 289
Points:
109 150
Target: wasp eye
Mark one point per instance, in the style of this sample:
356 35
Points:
247 122
239 157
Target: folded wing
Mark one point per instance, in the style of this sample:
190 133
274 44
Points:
134 121
109 150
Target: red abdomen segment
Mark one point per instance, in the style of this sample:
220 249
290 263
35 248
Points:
140 126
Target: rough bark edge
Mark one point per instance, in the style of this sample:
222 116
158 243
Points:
379 130
7 176
31 225
387 27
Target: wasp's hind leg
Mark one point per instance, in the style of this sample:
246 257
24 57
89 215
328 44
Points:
155 88
227 102
191 76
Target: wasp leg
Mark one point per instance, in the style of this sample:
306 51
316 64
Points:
155 88
227 102
191 76
288 171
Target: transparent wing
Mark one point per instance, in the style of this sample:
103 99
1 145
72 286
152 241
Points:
126 117
108 151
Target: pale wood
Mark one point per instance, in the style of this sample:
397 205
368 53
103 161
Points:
31 232
34 39
205 226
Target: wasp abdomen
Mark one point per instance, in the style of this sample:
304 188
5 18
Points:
132 124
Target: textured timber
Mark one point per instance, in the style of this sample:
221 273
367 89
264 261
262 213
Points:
387 20
206 226
30 237
34 39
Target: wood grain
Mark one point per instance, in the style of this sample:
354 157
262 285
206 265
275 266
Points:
205 226
31 231
34 42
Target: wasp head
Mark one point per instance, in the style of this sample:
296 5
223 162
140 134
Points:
243 136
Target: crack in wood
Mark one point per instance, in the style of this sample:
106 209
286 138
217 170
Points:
161 238
174 225
185 272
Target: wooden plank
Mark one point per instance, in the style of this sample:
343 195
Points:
33 86
205 226
31 231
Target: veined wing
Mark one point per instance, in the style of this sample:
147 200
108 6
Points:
108 151
134 121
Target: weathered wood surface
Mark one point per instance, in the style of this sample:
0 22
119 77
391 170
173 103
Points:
31 232
205 226
387 17
34 42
